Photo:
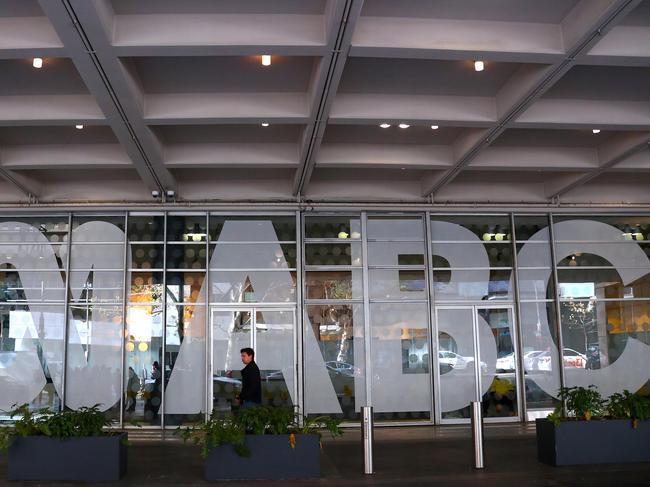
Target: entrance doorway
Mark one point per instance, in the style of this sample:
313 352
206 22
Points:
271 333
476 362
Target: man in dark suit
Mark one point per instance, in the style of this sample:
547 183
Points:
251 391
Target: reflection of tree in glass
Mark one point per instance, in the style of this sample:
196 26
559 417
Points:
338 289
579 316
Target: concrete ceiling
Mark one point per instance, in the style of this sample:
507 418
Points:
172 96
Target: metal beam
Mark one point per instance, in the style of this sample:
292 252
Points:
84 29
341 17
582 28
30 188
609 155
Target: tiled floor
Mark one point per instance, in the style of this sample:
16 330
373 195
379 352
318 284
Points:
403 457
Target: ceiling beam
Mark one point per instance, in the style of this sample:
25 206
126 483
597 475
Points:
84 28
340 19
614 151
27 186
582 28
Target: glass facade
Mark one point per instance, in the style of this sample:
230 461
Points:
414 313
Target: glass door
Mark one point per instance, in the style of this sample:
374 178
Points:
270 332
463 334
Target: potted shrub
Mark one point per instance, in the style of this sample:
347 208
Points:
68 446
592 430
261 442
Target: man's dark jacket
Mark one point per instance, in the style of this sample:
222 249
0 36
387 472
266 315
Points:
251 384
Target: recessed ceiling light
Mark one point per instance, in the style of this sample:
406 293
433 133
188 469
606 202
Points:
404 125
265 124
79 127
596 131
266 60
479 66
434 127
385 125
37 62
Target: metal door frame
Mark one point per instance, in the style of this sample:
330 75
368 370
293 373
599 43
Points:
475 307
253 308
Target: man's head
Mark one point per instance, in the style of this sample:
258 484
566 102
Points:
247 355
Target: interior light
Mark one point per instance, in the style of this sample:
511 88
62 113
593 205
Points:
79 127
404 125
479 66
434 127
143 346
385 125
266 60
37 62
196 235
265 124
596 131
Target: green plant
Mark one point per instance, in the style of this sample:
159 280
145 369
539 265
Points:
258 420
626 405
86 421
580 403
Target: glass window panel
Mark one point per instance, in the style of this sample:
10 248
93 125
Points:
333 254
104 256
144 357
535 284
147 256
397 228
99 286
580 283
395 253
186 228
37 256
33 286
185 287
541 371
338 226
473 254
333 285
146 228
180 256
95 221
397 284
252 286
602 228
252 228
472 285
621 254
146 287
531 227
253 256
401 385
94 358
476 227
334 378
533 254
185 364
34 230
31 356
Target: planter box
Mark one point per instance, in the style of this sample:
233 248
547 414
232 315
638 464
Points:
271 458
592 442
89 459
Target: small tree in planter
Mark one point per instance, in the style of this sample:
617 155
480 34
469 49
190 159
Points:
592 430
68 445
261 442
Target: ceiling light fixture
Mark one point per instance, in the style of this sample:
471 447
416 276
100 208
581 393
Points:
37 62
266 60
265 124
596 131
79 127
434 127
479 66
404 125
385 125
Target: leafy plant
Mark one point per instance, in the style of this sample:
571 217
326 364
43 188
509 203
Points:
258 420
630 406
580 402
86 421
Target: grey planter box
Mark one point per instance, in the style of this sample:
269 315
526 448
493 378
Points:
592 442
90 459
271 458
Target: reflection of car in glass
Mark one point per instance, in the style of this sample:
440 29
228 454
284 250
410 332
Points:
571 359
451 360
529 358
275 375
506 363
341 368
